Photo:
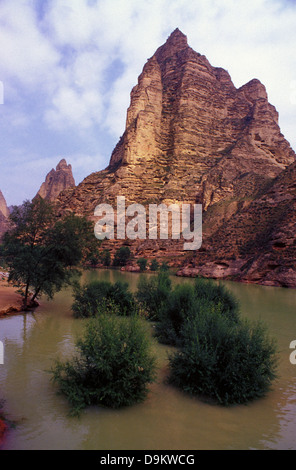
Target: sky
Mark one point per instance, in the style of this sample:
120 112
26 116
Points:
67 68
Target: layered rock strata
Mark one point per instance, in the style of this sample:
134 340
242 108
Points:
192 137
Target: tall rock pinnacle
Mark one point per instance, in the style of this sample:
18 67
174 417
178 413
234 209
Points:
4 213
192 137
3 206
56 181
187 123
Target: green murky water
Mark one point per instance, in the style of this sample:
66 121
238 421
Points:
168 419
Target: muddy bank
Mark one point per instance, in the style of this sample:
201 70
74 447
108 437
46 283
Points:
10 300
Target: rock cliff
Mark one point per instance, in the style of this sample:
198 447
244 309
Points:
3 206
192 137
4 213
56 181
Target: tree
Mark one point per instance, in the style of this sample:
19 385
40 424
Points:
42 250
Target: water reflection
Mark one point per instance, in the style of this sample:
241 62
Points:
168 419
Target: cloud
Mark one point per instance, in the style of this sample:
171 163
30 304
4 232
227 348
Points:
68 66
26 54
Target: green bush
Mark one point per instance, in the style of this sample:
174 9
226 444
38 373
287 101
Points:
154 265
207 290
153 293
164 266
142 263
228 362
97 296
186 301
112 368
122 256
105 257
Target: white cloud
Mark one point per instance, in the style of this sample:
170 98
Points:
26 54
71 69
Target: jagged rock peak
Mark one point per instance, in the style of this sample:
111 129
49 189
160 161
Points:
175 43
177 38
63 165
192 136
57 180
3 206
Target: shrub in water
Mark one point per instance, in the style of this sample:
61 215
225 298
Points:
218 294
153 293
180 305
92 297
187 301
228 362
113 368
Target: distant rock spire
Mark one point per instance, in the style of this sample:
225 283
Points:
3 206
56 181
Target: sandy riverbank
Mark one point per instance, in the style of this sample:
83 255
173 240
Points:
10 300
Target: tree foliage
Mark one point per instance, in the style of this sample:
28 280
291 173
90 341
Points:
42 250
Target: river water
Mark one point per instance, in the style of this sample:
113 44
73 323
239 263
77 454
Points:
168 419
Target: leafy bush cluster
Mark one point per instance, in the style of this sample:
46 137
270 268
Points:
153 294
231 363
122 256
96 296
113 368
218 354
186 301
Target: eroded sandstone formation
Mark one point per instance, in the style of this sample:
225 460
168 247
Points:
56 181
192 137
4 214
3 206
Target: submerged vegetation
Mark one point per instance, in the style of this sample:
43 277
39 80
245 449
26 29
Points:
231 363
186 302
98 296
217 354
113 368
